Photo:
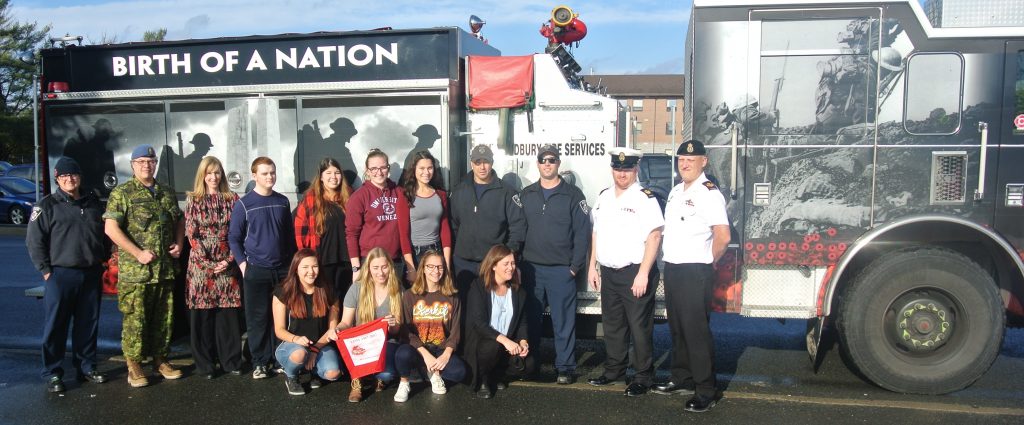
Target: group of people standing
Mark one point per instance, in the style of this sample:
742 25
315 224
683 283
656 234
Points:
483 261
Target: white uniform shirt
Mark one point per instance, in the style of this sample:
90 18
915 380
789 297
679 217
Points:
622 224
689 215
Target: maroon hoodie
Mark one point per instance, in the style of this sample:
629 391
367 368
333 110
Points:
371 220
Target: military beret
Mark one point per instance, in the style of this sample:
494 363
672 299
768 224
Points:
143 151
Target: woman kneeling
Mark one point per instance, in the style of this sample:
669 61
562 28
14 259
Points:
496 329
376 294
305 315
430 328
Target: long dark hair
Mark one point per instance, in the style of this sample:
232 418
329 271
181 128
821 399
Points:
496 254
323 296
408 181
318 192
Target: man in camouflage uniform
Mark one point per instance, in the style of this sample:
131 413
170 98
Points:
144 220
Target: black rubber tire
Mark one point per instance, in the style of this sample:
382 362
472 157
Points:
17 215
871 310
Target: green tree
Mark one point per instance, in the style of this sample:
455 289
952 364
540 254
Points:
155 35
19 54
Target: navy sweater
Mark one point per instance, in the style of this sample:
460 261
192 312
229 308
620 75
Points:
261 231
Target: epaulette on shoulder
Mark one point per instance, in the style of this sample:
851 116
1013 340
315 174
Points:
710 186
647 192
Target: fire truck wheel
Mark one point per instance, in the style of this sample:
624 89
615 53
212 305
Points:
922 320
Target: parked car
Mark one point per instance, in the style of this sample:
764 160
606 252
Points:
25 171
4 166
17 196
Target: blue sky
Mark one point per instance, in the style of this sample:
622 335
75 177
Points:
638 36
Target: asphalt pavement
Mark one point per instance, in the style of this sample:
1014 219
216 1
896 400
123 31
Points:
763 371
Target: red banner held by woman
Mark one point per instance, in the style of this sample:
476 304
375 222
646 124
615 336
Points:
362 347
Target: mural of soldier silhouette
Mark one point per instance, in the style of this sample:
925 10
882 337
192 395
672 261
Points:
426 136
313 147
179 171
94 151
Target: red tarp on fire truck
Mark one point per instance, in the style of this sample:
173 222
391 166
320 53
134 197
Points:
500 81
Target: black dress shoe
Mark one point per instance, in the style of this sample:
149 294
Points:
484 393
92 376
670 388
501 385
566 378
600 381
700 404
56 385
237 372
636 390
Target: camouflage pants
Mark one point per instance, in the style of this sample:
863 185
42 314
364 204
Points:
148 310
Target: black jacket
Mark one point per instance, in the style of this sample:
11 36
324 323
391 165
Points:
65 232
477 225
558 229
478 322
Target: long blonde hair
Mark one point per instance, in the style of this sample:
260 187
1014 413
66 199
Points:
367 305
419 286
199 186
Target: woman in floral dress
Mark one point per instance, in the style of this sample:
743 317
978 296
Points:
213 295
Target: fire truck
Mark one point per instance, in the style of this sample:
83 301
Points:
871 165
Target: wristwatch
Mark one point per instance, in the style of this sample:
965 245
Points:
355 268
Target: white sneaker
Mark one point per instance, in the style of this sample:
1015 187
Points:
402 395
437 384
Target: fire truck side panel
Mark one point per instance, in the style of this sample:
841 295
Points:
832 140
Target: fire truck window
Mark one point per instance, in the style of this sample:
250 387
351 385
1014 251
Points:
347 128
196 106
101 139
815 35
934 88
802 95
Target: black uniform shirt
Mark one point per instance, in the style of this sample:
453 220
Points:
66 232
496 217
557 227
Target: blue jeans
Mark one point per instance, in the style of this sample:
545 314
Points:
408 358
419 250
327 360
390 373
